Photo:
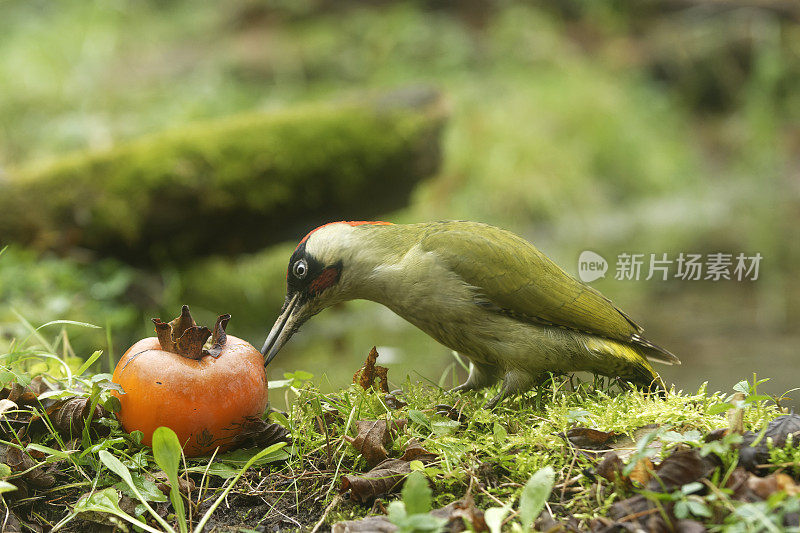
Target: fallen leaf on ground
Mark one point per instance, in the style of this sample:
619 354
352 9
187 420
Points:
591 439
680 468
777 482
367 374
7 405
393 402
610 467
37 477
372 438
27 395
642 471
387 476
68 416
186 487
751 456
588 440
257 432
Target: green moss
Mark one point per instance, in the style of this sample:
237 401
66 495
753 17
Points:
226 186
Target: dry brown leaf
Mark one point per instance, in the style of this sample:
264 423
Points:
642 471
737 483
259 432
610 467
186 487
69 415
591 439
366 375
372 438
680 468
777 431
27 395
19 461
393 402
777 482
449 411
7 405
387 476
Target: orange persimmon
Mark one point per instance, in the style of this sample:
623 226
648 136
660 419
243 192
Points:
205 394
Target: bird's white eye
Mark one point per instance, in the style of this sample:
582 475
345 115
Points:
300 269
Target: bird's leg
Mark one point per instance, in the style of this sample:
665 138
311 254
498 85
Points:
514 382
480 376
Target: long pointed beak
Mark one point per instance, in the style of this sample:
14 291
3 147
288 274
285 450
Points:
282 330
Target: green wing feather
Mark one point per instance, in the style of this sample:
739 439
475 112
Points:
514 276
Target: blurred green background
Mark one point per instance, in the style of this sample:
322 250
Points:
665 126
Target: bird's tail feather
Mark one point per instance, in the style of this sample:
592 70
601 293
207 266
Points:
654 352
627 361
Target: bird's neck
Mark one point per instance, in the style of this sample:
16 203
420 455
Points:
375 266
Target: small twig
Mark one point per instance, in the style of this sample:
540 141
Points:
569 472
640 514
328 509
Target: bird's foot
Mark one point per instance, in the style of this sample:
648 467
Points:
491 404
464 387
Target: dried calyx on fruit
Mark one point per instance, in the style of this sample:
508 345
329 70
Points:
184 337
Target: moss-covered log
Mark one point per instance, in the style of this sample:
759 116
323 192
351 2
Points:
227 186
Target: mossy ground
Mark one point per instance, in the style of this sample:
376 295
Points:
488 454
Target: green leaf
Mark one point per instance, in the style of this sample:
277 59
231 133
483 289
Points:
147 489
534 495
445 427
416 493
107 501
698 508
719 408
692 487
5 470
500 433
303 375
56 454
215 469
116 466
5 486
167 453
397 513
418 417
240 457
89 362
279 384
113 404
494 517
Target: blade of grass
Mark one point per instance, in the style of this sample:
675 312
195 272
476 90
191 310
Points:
167 453
72 322
116 466
86 364
110 342
275 447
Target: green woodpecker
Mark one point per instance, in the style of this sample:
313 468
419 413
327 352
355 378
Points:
479 290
